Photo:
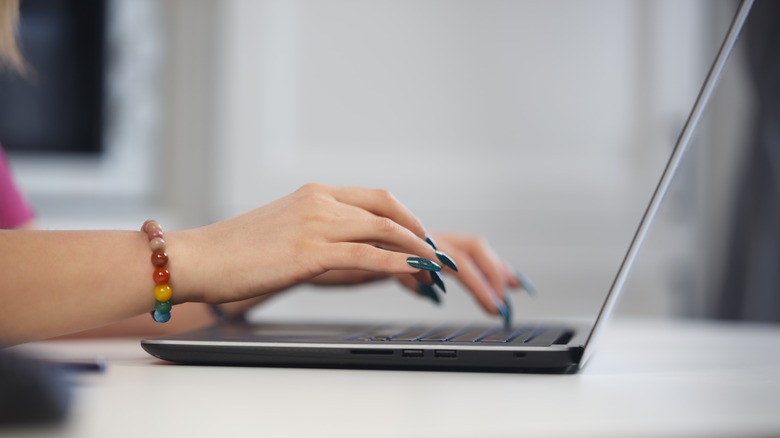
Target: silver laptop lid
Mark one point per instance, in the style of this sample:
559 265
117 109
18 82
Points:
684 140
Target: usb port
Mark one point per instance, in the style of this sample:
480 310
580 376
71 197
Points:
412 353
444 353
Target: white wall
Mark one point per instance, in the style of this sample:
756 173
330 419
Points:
541 125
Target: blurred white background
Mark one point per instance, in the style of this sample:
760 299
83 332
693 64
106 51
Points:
541 125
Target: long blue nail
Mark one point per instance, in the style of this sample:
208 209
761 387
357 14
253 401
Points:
508 303
436 277
421 263
430 242
505 312
429 293
446 260
525 283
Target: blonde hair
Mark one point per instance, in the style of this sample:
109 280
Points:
10 56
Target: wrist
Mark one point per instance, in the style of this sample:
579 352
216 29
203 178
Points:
189 274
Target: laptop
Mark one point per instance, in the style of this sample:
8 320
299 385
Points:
538 348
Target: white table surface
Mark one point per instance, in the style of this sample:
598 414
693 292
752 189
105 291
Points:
648 378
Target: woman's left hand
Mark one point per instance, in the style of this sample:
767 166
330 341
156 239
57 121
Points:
479 269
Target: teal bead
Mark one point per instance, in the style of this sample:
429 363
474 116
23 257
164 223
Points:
163 306
161 317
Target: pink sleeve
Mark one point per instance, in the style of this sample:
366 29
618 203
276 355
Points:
14 210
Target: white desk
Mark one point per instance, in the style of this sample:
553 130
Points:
661 378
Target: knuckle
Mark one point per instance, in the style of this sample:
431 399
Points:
314 200
385 225
417 226
378 259
354 254
311 187
477 243
359 252
312 209
385 195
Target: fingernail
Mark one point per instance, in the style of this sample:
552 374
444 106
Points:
429 293
436 277
525 283
430 242
421 263
446 260
505 312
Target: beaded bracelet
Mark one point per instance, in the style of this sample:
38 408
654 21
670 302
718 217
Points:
161 276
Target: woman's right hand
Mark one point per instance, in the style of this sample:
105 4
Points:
314 230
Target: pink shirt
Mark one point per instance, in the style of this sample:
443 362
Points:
14 210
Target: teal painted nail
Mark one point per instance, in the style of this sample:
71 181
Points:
505 312
421 263
525 283
430 242
446 260
436 277
429 293
508 303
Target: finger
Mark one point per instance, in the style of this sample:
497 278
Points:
357 225
409 282
525 282
511 277
345 277
423 277
349 255
381 203
471 277
419 289
486 261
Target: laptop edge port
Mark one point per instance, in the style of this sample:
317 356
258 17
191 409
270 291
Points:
446 354
412 353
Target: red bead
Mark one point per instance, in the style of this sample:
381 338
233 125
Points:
159 258
155 234
161 276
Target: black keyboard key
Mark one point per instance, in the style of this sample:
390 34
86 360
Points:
411 334
472 334
388 332
522 333
373 332
546 337
500 335
440 334
504 335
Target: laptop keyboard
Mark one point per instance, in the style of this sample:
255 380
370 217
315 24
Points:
521 335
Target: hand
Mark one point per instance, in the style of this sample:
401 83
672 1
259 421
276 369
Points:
480 270
316 229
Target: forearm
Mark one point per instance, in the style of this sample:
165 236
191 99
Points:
188 316
57 282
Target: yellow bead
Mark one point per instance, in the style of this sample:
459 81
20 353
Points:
162 292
